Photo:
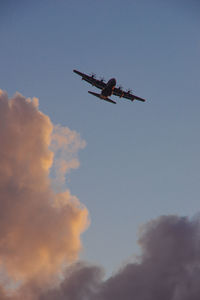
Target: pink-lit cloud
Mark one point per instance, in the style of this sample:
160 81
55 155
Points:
39 229
65 144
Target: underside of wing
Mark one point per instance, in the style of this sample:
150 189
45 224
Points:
122 94
90 79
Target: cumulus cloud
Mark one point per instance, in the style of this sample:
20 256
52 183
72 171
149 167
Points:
39 229
168 268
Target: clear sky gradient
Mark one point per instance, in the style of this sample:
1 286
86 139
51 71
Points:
141 159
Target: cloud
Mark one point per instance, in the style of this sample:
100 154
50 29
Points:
81 282
65 143
168 268
39 229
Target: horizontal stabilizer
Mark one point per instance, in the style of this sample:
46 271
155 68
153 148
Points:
100 97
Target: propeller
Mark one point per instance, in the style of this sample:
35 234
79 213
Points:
93 75
120 87
102 79
129 91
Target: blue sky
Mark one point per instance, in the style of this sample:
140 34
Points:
141 159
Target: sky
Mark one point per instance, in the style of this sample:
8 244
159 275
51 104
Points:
138 161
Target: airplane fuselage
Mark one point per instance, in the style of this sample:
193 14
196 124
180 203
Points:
108 90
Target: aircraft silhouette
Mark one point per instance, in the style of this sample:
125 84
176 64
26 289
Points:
108 88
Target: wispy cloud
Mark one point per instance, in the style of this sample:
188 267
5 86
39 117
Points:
65 144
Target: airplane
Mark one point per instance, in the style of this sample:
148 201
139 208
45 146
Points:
108 88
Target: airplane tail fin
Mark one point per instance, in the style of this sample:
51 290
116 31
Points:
100 97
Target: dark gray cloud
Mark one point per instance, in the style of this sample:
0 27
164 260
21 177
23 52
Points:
81 282
170 264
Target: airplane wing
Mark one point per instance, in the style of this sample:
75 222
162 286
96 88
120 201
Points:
122 94
93 81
